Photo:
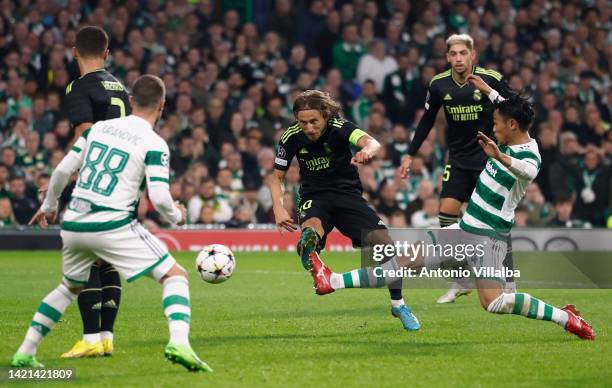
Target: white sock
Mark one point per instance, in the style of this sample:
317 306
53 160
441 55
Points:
336 281
397 303
91 338
104 335
177 308
49 312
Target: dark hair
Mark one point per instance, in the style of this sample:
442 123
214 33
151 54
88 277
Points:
91 41
148 91
317 100
517 108
17 177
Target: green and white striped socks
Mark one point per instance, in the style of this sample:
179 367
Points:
177 308
365 277
48 314
527 306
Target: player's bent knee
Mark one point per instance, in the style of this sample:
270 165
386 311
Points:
503 304
175 270
314 223
378 236
75 290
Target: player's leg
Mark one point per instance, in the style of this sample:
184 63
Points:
356 220
509 263
111 297
134 252
90 305
457 186
495 300
76 265
313 218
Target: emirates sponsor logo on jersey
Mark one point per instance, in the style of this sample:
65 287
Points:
464 112
317 164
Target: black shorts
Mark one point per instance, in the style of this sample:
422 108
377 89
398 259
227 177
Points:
458 183
350 214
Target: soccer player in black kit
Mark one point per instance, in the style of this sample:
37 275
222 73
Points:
330 192
467 111
95 96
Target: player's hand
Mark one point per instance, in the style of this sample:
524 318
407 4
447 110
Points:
361 157
405 166
284 222
40 218
479 83
183 211
488 146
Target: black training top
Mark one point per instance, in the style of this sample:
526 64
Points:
325 164
96 96
467 111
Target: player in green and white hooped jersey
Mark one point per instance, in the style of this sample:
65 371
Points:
509 169
116 158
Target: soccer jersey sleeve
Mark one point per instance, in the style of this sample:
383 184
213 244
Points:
78 105
78 149
157 171
523 168
157 166
350 132
286 149
433 102
61 175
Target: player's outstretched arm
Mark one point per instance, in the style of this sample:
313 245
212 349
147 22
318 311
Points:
281 217
432 105
521 168
369 147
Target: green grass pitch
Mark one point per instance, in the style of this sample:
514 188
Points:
265 326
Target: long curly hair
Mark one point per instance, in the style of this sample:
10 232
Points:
317 100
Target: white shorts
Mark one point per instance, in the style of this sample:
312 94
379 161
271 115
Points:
490 260
131 249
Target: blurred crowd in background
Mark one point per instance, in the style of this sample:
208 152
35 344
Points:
232 69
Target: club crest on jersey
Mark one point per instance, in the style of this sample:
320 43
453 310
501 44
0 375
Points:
281 153
477 95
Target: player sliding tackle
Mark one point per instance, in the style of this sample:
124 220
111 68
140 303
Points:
510 167
114 157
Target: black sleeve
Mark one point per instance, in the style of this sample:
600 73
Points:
285 151
432 105
348 134
503 88
78 105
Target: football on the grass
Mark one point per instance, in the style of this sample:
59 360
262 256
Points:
215 263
